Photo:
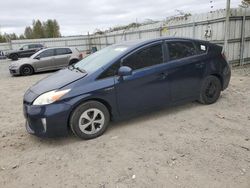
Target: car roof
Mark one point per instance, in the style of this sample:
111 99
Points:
136 43
51 48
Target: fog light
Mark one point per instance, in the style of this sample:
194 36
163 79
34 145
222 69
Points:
44 124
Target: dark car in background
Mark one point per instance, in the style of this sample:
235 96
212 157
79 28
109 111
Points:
123 80
25 51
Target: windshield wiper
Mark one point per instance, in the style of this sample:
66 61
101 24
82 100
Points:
72 67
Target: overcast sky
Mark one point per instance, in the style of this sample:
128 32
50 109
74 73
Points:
77 17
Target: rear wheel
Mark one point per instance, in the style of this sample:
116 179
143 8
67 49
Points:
210 90
26 70
89 120
73 61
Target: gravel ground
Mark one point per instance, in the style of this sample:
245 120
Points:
192 145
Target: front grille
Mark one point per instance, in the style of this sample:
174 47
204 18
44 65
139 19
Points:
13 71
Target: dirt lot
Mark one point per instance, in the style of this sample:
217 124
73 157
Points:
186 146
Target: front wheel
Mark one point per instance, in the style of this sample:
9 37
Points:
89 120
210 90
26 70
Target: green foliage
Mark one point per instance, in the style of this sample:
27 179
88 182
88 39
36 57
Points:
48 29
245 3
7 37
38 29
51 29
28 32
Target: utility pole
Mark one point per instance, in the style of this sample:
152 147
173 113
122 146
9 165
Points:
225 47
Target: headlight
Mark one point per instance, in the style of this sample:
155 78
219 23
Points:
12 66
50 97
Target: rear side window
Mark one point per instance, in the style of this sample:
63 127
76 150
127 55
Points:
62 51
144 58
180 49
31 46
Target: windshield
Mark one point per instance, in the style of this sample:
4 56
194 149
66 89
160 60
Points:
100 58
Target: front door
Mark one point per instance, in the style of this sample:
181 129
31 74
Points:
148 86
45 60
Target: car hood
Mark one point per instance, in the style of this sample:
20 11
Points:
22 61
55 81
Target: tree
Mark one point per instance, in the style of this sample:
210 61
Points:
2 38
245 3
38 29
51 28
28 32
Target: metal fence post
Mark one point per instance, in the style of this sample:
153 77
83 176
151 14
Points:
242 44
227 19
193 29
160 31
106 39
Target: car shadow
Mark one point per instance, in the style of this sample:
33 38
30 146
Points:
71 138
156 113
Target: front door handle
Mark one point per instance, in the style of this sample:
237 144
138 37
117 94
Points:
164 75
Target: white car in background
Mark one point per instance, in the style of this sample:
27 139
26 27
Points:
45 60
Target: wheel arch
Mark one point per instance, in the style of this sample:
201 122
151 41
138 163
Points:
100 100
74 60
27 65
219 77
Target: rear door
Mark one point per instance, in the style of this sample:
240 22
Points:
148 85
62 57
187 67
45 60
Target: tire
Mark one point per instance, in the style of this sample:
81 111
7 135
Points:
14 57
210 90
26 70
73 61
85 124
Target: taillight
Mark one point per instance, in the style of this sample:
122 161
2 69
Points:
224 56
80 56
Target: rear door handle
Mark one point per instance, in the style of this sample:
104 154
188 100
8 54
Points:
199 65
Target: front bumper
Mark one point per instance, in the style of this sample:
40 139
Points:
14 71
47 120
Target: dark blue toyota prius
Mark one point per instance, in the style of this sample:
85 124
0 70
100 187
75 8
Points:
123 80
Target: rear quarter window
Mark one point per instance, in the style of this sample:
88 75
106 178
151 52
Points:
62 51
201 48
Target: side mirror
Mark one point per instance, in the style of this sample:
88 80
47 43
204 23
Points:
38 57
124 71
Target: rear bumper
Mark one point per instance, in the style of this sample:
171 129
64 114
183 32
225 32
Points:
226 77
47 120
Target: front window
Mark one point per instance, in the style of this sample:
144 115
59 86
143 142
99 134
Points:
46 53
145 58
101 58
25 47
